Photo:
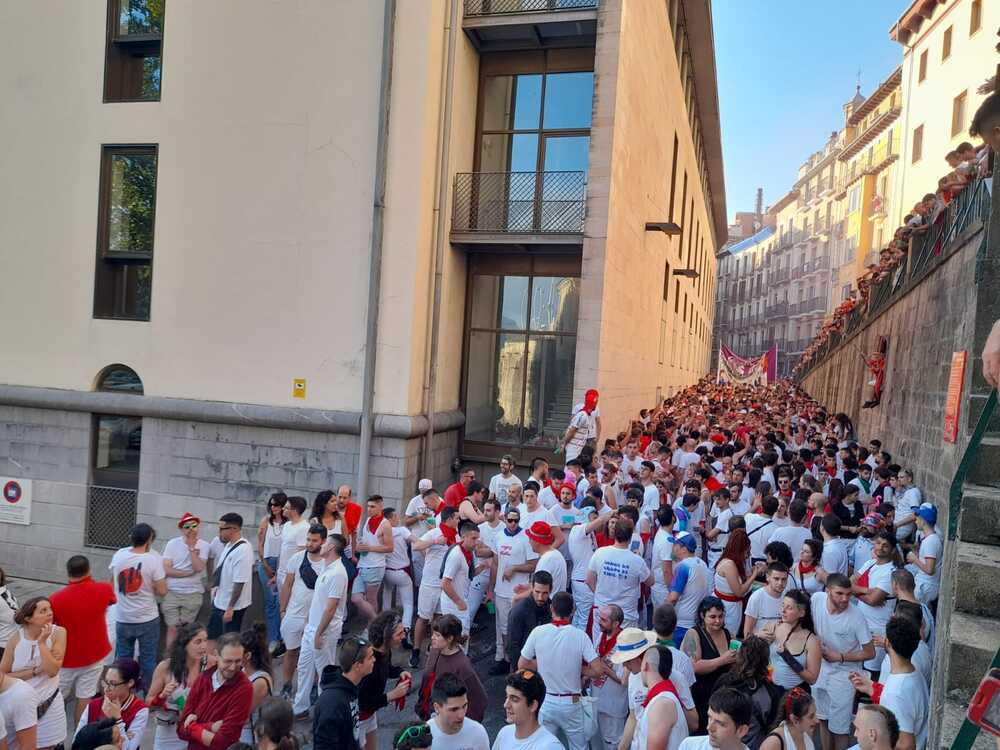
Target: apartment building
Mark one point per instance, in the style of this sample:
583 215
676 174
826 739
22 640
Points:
337 242
948 49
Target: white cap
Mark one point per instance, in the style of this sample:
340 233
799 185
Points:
425 484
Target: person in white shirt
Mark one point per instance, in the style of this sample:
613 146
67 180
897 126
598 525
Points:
612 695
524 697
798 726
541 537
662 556
324 623
138 577
615 574
434 544
450 728
184 560
532 510
662 723
489 529
925 560
567 515
763 611
692 582
903 690
906 506
794 534
515 561
397 572
631 463
872 586
294 531
295 597
729 715
232 578
845 640
761 527
834 557
501 483
418 518
875 727
581 546
594 431
718 536
557 652
374 546
457 573
575 438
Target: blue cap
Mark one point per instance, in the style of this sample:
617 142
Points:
685 539
928 513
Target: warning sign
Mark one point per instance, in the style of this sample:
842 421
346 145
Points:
15 500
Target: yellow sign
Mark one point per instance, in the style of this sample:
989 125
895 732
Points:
299 388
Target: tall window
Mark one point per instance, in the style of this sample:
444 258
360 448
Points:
673 178
946 44
922 72
133 61
520 352
116 444
918 144
975 17
958 114
126 213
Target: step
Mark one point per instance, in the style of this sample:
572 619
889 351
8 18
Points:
955 708
980 519
977 585
973 641
985 469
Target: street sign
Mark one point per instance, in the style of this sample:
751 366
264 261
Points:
953 406
15 500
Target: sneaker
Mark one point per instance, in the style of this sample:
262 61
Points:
415 659
500 668
278 650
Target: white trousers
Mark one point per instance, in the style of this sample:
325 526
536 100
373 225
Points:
583 601
400 581
563 714
610 728
313 662
502 604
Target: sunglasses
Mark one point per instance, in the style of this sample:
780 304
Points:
513 520
415 732
190 525
360 644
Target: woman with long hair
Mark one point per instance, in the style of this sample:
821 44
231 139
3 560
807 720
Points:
448 657
119 701
733 580
749 676
172 681
707 644
273 728
807 574
35 654
8 608
797 725
326 512
268 550
257 666
385 633
796 653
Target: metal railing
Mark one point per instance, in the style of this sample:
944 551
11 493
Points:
796 273
500 7
777 308
110 517
925 254
779 275
519 202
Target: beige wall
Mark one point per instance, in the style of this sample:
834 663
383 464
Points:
639 104
929 103
264 198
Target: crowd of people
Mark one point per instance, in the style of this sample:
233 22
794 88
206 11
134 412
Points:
966 164
735 570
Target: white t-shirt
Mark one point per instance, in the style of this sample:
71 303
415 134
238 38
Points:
718 545
686 459
922 660
568 516
663 551
546 498
581 549
398 559
176 550
331 584
581 423
293 538
699 743
488 535
629 469
907 697
930 546
17 707
301 596
472 736
541 513
456 569
765 608
760 529
592 428
134 574
834 557
559 650
237 567
499 486
553 562
793 536
843 632
417 507
433 557
511 550
540 739
619 575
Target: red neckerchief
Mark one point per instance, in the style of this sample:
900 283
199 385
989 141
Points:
559 623
606 644
666 686
450 535
378 522
832 471
803 569
602 539
468 557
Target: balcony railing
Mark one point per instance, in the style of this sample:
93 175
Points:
500 7
779 275
777 309
796 273
519 202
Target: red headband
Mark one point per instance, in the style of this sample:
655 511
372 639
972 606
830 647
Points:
793 694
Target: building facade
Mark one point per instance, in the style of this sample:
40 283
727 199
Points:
413 234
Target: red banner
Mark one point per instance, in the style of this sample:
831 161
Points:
953 406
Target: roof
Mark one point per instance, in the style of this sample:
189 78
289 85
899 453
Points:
701 38
884 89
790 196
749 242
912 19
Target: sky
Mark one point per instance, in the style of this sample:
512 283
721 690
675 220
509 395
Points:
785 70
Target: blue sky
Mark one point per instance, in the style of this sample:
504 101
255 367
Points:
785 69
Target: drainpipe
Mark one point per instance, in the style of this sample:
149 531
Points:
439 239
375 262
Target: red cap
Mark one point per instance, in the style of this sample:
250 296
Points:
541 532
186 518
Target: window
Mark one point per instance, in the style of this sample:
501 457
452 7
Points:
854 199
521 327
975 17
133 51
922 73
666 281
116 444
946 44
673 178
918 144
126 212
680 237
958 114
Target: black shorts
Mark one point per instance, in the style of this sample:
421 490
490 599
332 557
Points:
216 627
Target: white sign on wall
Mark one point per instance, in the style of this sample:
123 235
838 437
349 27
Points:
15 500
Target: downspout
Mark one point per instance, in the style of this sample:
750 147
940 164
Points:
375 262
439 239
